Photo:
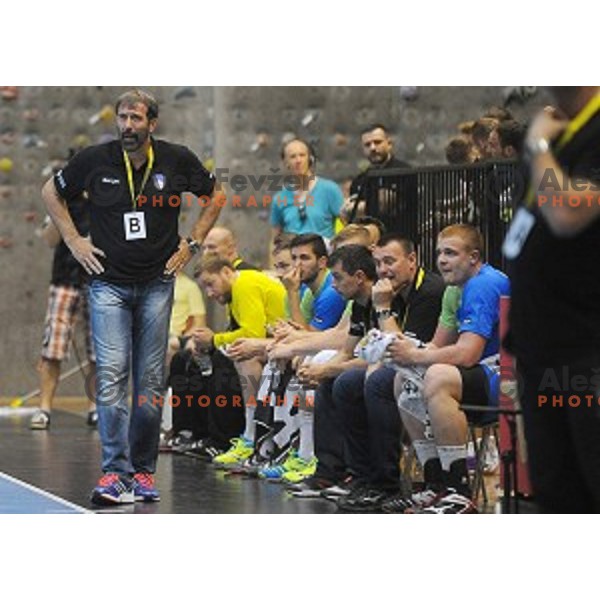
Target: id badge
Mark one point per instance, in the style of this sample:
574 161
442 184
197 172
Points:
517 235
135 226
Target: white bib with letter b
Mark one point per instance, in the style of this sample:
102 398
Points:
135 226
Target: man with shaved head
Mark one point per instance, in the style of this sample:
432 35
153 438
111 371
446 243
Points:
220 242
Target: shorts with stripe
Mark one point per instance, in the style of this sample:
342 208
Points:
65 305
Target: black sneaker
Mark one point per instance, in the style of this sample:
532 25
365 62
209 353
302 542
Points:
183 441
204 448
251 466
342 489
310 488
364 499
398 504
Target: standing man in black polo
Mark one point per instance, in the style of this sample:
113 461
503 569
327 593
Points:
134 187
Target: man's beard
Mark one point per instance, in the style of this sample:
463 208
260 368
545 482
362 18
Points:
132 141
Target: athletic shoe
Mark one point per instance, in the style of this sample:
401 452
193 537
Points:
40 420
204 448
165 441
275 473
398 504
252 466
92 419
241 449
182 442
452 503
365 499
113 489
419 501
303 469
310 488
339 490
144 489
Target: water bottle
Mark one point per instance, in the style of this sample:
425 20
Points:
205 364
275 374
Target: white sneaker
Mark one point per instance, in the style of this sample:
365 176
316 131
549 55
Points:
40 420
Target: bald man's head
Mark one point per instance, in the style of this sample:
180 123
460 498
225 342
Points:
219 241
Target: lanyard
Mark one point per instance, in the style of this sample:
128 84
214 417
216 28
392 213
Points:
418 283
574 126
134 197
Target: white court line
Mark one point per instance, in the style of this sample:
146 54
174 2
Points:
46 494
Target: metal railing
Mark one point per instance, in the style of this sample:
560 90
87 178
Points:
421 202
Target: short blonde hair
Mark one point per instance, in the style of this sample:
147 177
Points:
469 234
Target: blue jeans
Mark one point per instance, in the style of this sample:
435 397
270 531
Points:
130 324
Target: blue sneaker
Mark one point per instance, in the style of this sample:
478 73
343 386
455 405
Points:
113 489
144 489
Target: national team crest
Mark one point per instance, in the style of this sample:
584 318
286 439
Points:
159 181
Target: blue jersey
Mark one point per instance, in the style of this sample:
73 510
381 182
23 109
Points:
479 308
323 310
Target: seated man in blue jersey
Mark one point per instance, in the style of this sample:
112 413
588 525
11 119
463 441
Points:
462 367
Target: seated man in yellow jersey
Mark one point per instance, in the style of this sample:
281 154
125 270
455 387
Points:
256 301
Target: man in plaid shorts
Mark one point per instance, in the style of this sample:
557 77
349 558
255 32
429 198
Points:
67 298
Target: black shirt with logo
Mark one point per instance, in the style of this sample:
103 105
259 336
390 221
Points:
100 171
418 315
359 183
555 305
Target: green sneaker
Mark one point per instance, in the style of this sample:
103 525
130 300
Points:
275 472
302 470
241 449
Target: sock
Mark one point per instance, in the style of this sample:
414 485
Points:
454 468
428 457
250 430
306 449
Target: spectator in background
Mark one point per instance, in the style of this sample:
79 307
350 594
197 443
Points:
461 151
486 139
511 135
309 204
378 149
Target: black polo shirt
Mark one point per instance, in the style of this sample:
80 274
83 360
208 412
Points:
417 315
100 171
358 185
555 281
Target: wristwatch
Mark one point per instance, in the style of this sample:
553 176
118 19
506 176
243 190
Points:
538 146
193 245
